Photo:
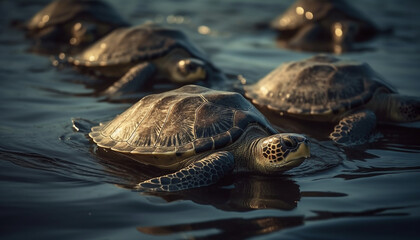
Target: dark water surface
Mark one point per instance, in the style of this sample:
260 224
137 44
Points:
56 185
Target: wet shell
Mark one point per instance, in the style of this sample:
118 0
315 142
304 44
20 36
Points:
135 44
305 12
319 85
71 11
176 124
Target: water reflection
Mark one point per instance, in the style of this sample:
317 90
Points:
366 172
232 228
241 228
243 193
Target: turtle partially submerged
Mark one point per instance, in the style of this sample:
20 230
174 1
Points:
325 88
202 135
141 53
73 24
322 25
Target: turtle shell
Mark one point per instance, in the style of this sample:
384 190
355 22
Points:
65 11
319 85
304 12
174 125
135 44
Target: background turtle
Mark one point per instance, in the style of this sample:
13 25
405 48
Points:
322 25
76 23
200 133
324 88
137 54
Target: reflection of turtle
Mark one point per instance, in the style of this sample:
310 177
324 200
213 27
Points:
246 192
200 133
73 22
324 88
139 53
322 25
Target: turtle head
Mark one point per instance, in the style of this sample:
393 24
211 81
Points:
403 108
281 152
190 70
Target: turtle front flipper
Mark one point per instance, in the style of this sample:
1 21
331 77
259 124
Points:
133 81
204 172
355 128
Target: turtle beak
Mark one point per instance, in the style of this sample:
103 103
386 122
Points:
191 70
302 152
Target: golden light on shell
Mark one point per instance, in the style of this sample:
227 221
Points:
92 58
45 18
182 63
300 10
103 45
264 90
309 15
77 26
284 21
338 32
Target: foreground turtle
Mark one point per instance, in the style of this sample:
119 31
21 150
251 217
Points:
324 88
73 23
322 25
200 133
138 54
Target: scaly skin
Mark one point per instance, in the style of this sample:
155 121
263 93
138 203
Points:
249 153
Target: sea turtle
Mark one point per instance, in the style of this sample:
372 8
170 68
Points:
325 88
73 23
202 135
137 54
322 25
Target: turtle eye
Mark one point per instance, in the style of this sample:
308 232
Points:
191 69
289 142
